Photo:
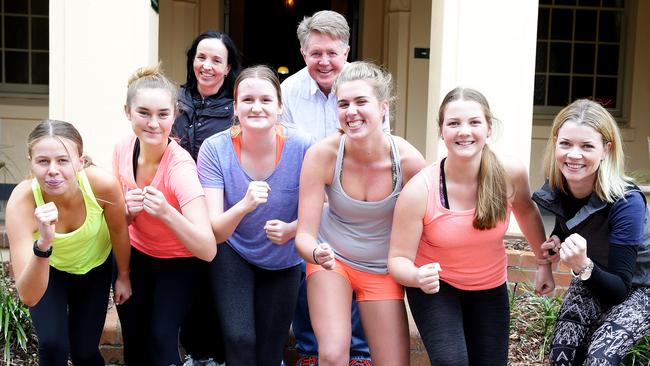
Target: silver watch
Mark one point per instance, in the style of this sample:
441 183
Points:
585 273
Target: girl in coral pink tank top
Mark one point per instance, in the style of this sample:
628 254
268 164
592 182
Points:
447 240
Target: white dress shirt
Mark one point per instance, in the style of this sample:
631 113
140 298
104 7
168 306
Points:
308 109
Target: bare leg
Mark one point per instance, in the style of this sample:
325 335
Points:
386 327
330 296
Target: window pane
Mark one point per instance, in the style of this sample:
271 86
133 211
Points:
16 32
40 68
541 56
561 24
606 91
16 67
560 59
558 90
542 23
548 2
584 58
540 90
40 7
609 28
16 6
607 60
582 87
565 2
589 2
614 3
40 34
585 25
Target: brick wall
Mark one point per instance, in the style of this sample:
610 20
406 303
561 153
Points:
522 268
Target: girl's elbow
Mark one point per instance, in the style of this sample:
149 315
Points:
28 299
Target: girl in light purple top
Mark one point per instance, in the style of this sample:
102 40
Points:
251 174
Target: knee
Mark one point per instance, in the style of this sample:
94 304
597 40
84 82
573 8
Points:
333 354
240 339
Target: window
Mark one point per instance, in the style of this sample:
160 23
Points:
24 45
580 53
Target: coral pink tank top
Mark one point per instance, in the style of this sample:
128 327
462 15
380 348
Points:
470 259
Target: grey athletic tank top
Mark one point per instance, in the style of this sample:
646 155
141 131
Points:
359 231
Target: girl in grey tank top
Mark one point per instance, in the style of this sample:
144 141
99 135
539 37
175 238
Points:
359 231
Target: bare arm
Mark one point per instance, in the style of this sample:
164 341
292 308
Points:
191 225
109 195
224 223
31 272
310 205
407 231
530 222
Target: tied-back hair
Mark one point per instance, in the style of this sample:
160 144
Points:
325 22
149 77
379 79
611 181
492 201
58 130
261 72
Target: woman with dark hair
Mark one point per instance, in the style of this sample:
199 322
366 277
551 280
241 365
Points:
205 108
205 100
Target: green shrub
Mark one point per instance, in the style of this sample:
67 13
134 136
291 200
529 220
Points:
15 321
639 355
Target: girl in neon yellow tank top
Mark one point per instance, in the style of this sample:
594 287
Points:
62 225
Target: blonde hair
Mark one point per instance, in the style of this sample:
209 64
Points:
611 182
379 79
149 77
492 201
325 22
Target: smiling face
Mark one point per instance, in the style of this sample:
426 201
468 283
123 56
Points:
210 66
325 58
55 162
257 105
464 128
360 112
151 114
579 149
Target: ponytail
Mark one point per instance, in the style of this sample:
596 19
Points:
492 202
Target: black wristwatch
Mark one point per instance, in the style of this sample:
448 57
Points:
40 253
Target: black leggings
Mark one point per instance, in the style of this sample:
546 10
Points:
200 333
69 318
255 307
150 319
460 327
589 333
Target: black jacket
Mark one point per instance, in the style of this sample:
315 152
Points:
200 118
617 267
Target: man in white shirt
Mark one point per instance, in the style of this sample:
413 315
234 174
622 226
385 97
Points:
309 105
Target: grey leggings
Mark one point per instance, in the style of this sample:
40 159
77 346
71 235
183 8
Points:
589 333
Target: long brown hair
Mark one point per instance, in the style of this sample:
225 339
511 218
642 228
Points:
492 201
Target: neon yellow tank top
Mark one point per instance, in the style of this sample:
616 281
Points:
88 246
